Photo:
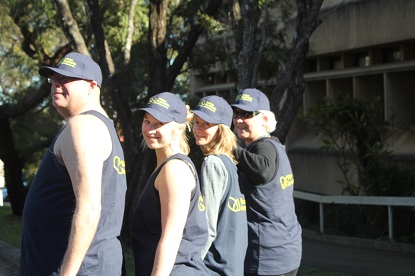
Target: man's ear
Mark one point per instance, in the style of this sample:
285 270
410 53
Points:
93 84
265 118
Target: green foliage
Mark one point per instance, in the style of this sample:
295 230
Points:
218 51
39 19
32 134
181 85
116 25
211 24
17 70
357 133
20 61
32 33
11 227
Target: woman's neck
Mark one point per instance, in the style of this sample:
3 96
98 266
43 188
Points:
164 154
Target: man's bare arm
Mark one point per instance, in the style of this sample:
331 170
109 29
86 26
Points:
85 144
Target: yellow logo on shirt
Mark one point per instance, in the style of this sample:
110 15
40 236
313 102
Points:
286 181
201 204
236 204
119 165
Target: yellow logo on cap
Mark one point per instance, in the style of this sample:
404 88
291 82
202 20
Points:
159 101
67 61
207 105
244 97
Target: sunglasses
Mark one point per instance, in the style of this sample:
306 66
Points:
61 79
245 114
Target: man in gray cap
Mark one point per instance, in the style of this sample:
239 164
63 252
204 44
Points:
74 210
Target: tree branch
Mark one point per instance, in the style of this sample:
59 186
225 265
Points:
130 31
186 50
32 99
307 22
71 27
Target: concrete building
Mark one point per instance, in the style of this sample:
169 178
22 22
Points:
363 48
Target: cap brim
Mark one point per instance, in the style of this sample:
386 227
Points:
244 107
47 72
157 114
206 117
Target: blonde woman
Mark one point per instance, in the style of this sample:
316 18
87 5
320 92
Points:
169 226
224 252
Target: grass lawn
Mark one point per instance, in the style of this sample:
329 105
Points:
10 226
11 231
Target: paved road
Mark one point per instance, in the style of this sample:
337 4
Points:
356 261
332 257
7 269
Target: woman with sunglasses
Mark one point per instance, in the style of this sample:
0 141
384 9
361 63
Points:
169 226
225 250
274 234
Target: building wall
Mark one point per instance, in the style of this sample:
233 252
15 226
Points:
365 49
357 24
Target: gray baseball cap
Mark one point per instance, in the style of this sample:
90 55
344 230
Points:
251 99
215 110
166 107
75 65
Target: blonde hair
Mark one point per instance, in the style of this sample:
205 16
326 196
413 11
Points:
224 143
271 122
184 141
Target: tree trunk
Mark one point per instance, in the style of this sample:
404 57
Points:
132 140
130 31
291 76
71 27
291 105
184 52
246 57
12 168
157 49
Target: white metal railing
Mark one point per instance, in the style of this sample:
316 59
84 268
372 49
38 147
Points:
388 201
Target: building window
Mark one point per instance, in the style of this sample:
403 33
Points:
335 62
391 54
361 59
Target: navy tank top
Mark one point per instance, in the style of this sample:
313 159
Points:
49 208
146 229
274 233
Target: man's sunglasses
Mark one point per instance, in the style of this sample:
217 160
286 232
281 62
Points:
61 79
245 114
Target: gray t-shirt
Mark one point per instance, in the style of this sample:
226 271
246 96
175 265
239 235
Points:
224 253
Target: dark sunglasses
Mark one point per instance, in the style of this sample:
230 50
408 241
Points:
245 114
61 79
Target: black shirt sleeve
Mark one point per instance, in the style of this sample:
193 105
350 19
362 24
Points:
258 161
